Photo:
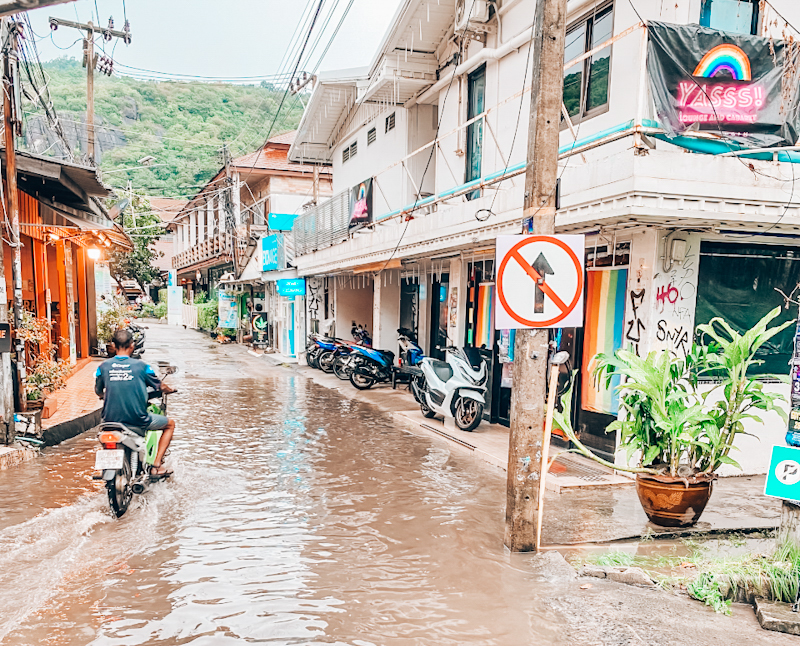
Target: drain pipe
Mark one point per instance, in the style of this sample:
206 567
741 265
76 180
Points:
486 54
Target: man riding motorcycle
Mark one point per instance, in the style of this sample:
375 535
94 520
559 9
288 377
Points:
122 383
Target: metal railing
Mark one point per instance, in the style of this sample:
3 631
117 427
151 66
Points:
323 226
218 245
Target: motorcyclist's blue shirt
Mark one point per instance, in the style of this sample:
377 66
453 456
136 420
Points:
125 380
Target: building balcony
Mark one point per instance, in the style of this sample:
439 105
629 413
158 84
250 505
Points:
208 251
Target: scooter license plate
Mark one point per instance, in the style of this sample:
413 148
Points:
109 459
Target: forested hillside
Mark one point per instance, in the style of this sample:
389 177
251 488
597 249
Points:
183 125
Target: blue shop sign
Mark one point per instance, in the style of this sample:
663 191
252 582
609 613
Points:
281 221
273 257
291 286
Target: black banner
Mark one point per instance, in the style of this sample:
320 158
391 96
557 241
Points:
361 204
737 85
259 325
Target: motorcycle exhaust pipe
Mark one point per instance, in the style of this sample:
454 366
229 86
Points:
139 487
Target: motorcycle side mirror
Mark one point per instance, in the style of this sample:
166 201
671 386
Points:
559 358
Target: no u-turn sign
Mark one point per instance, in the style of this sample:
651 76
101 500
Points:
539 282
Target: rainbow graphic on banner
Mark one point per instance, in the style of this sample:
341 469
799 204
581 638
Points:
725 58
603 332
483 331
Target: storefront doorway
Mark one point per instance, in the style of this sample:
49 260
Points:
438 335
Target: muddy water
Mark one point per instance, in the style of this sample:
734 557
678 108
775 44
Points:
296 516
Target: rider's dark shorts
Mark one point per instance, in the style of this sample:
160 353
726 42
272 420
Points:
157 423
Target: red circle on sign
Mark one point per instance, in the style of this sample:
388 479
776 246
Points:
578 270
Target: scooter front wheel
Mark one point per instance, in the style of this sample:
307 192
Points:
325 361
360 381
468 413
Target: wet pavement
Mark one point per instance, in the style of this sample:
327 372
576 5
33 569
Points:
298 516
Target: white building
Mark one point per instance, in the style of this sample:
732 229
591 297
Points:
439 121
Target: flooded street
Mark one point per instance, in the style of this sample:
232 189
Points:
295 516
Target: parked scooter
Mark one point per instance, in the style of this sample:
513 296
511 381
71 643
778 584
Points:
126 457
410 352
369 366
341 363
453 388
139 337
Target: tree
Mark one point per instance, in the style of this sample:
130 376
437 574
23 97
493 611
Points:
145 228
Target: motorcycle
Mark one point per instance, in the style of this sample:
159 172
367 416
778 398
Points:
453 388
126 457
139 337
317 344
369 366
410 352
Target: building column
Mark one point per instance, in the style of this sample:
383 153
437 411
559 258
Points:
201 225
456 299
386 310
209 215
192 228
38 249
83 304
63 304
185 235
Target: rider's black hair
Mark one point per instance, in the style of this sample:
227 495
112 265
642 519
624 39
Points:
122 339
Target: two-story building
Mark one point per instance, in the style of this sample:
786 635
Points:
682 220
221 233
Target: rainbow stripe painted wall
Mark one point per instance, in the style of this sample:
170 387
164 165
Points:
603 332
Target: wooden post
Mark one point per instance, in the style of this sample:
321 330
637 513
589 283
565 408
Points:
40 282
531 346
91 305
12 200
63 304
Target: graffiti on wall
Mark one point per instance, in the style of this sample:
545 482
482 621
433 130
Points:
675 298
314 300
634 325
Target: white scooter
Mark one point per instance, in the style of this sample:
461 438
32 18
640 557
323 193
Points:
453 388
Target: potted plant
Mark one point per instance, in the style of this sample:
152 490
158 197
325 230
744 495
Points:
682 436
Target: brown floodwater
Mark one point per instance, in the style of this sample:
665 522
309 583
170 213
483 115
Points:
295 516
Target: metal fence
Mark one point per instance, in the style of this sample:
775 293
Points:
324 225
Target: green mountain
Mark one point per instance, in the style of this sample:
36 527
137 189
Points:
183 125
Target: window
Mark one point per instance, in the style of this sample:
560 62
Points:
738 282
349 152
390 122
737 16
476 91
372 135
586 83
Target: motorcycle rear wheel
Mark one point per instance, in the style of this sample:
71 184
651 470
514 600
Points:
325 361
120 492
341 369
362 382
426 412
468 413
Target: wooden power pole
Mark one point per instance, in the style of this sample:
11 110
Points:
90 62
531 346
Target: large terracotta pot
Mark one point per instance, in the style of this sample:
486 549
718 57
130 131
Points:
673 502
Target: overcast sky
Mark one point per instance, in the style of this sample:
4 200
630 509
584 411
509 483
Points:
230 38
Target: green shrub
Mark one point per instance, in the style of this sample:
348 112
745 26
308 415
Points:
200 298
160 310
162 295
208 315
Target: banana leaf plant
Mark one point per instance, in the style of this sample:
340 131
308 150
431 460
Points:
672 426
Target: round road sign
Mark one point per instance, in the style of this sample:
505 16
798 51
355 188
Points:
539 279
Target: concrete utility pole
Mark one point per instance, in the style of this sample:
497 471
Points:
90 62
531 346
12 122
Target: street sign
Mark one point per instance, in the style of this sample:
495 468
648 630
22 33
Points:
273 255
783 477
539 281
259 325
281 221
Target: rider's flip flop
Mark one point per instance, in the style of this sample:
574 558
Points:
160 476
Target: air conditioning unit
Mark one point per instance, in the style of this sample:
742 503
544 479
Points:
471 12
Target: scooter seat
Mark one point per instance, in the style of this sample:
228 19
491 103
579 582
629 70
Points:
442 369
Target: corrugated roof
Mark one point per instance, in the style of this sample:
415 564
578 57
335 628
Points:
287 138
274 160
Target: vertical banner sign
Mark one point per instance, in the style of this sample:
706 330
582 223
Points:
539 282
793 432
228 314
259 325
361 205
273 253
746 87
175 305
70 304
